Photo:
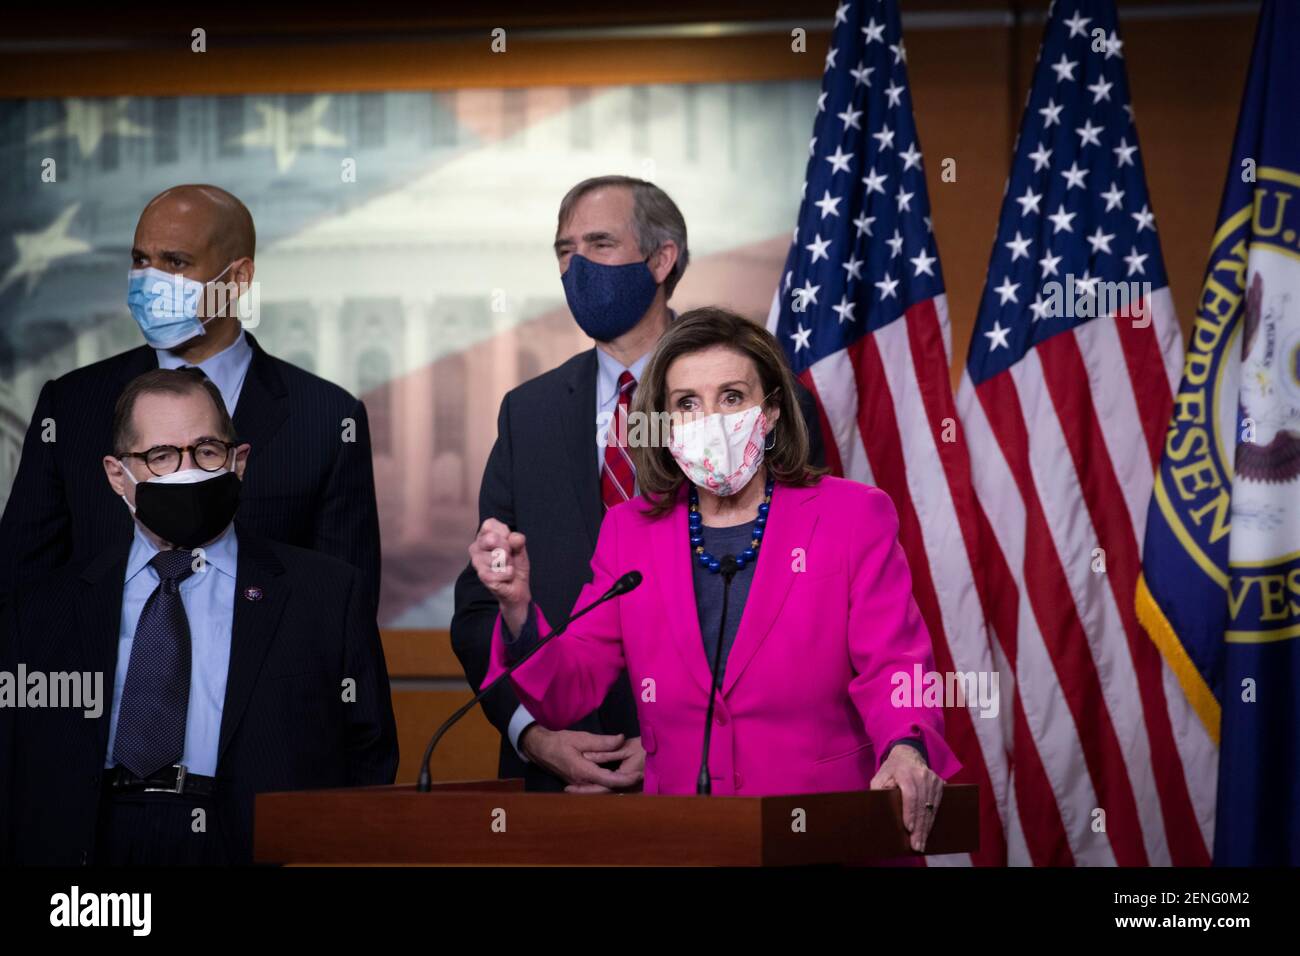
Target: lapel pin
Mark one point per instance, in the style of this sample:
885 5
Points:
253 593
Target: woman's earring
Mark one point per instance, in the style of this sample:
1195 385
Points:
771 443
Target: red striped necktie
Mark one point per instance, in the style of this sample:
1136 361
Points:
617 475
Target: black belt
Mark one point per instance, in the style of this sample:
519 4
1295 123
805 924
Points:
167 780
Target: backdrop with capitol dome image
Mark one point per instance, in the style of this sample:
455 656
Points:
893 189
415 287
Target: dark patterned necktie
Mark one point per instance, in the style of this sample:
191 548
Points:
151 718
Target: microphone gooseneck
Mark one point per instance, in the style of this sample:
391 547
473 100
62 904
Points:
704 783
627 582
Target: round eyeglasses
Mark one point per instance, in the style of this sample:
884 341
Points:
210 454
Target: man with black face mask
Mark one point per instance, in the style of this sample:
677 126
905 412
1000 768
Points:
621 246
191 274
237 665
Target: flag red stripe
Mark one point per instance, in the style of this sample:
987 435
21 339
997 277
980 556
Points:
1146 368
1040 816
996 585
925 341
1062 631
1063 370
831 449
879 428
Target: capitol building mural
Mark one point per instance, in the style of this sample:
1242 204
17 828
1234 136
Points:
404 251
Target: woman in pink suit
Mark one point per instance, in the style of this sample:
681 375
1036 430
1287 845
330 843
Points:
789 585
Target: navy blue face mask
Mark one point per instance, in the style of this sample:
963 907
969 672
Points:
608 301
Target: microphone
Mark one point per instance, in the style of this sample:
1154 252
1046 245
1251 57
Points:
627 582
704 783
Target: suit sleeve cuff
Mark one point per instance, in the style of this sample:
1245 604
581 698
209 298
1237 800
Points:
516 646
915 742
520 722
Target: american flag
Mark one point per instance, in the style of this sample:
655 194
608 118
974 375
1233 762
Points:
862 315
1064 400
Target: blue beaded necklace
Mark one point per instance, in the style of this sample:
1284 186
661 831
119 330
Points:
695 529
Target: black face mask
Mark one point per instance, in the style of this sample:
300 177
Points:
188 515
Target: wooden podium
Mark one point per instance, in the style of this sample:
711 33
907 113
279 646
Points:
494 822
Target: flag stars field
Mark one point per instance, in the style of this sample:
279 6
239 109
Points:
1100 90
818 248
998 336
1134 261
1089 135
1029 202
924 264
1007 291
1065 69
1062 219
1019 247
828 204
1100 241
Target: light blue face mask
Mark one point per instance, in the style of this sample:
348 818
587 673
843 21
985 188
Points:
166 305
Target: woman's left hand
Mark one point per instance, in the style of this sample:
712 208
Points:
921 787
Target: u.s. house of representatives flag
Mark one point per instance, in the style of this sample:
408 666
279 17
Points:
1221 587
861 313
1064 400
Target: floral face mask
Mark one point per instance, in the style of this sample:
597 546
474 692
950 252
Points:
721 452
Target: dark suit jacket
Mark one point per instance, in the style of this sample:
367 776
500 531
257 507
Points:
285 725
541 479
304 485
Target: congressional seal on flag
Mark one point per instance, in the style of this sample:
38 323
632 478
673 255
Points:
1220 591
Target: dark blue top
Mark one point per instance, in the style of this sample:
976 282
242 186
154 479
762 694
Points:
721 542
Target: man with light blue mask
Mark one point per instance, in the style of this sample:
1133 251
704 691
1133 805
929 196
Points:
187 240
167 306
622 249
191 291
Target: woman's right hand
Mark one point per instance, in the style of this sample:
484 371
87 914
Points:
501 561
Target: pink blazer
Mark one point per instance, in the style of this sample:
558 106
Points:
805 704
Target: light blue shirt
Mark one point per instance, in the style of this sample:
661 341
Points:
227 369
608 370
209 600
